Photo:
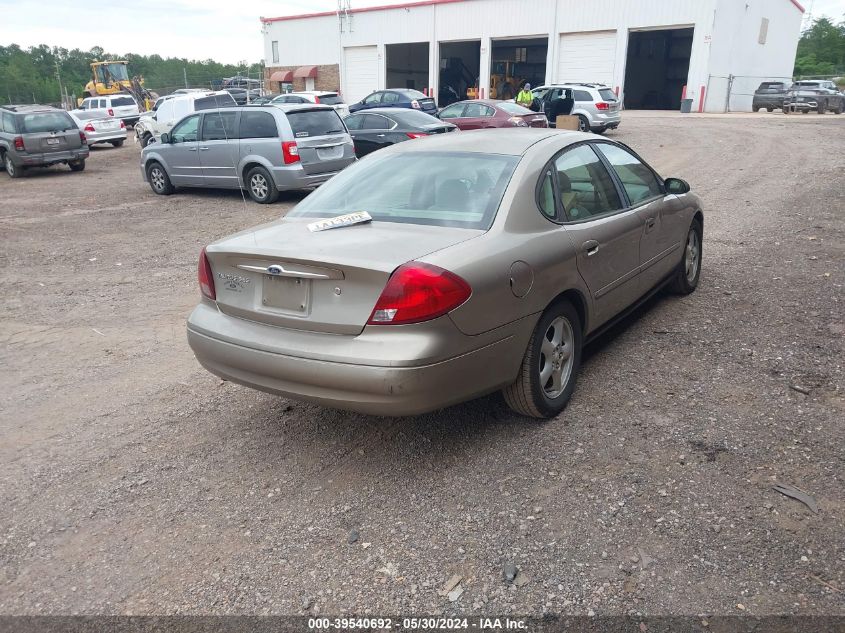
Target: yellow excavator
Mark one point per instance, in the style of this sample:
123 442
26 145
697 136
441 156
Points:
112 77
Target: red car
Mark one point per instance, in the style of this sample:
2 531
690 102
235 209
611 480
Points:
478 114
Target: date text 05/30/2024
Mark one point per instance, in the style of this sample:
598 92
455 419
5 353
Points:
421 623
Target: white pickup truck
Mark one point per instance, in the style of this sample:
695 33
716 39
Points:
151 126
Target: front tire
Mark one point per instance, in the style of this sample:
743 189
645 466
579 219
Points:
260 186
159 180
77 165
688 272
550 366
11 169
147 139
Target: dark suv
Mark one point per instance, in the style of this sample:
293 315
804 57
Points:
769 95
39 136
818 95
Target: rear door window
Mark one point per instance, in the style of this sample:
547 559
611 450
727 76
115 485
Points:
305 123
479 110
390 97
373 98
218 126
376 122
638 180
123 101
581 95
46 122
258 125
584 186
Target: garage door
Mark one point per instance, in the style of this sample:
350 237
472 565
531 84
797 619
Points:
587 57
361 72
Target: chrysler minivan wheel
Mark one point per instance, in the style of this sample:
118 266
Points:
159 180
550 366
260 186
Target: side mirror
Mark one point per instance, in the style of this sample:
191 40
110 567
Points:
165 138
676 186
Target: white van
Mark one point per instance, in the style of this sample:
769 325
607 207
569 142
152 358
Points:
173 110
119 106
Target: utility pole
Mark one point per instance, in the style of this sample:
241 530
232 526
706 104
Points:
185 75
61 90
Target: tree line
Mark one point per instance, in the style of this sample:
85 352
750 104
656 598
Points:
32 74
821 50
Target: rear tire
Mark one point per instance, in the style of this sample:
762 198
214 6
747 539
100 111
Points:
822 108
11 169
260 186
550 366
770 109
77 165
159 180
688 272
117 143
147 139
583 124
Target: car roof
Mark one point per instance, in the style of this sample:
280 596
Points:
31 107
292 107
508 141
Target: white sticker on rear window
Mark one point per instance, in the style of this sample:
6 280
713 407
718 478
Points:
357 217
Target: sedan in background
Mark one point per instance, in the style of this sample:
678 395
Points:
478 114
314 96
451 268
99 129
381 127
396 98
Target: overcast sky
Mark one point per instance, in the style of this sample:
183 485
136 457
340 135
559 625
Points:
223 30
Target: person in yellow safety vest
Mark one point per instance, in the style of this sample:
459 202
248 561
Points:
524 98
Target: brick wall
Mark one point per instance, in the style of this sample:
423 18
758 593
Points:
328 78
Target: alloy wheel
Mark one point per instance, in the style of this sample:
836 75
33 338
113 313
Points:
692 254
10 167
258 186
556 357
157 178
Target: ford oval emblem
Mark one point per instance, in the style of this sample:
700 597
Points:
275 269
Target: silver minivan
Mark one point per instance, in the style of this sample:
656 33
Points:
263 149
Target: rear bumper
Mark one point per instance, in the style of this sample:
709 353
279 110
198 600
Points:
106 137
287 178
606 121
377 389
44 160
130 120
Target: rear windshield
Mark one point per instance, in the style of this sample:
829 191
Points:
331 99
315 123
460 189
413 94
413 117
123 101
214 101
607 94
46 122
513 108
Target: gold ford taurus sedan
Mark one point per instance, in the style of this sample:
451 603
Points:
470 263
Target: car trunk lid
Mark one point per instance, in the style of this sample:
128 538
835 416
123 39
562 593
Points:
328 281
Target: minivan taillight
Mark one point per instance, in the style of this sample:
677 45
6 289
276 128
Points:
418 292
290 152
316 99
415 104
601 105
19 143
89 127
82 138
205 277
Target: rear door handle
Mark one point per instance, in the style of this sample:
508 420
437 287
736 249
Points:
192 149
380 135
649 223
203 149
591 247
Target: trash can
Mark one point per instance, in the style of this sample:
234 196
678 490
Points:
686 106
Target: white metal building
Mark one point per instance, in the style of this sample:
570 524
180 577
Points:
652 52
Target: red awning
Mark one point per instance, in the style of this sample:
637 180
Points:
282 75
306 71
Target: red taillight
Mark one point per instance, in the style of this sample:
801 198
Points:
89 127
122 125
19 143
415 134
418 292
601 105
316 99
415 104
205 277
82 138
290 152
110 111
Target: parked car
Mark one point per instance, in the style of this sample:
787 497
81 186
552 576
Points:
150 129
122 106
595 105
381 127
98 129
817 95
769 95
39 136
264 149
478 114
314 96
240 95
478 270
262 100
396 98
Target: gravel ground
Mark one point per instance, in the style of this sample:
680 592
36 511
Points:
133 482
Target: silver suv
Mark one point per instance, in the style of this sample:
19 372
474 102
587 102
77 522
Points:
39 136
596 106
263 149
